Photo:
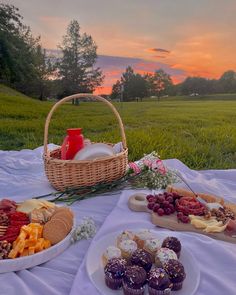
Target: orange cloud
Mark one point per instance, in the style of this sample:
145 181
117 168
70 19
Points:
143 72
103 90
208 54
159 56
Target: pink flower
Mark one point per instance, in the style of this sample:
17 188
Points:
158 165
147 163
134 167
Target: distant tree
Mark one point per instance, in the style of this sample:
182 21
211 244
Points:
45 71
139 87
19 55
213 86
127 79
159 83
227 82
76 67
116 90
197 85
134 85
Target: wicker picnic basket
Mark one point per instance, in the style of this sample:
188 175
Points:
63 174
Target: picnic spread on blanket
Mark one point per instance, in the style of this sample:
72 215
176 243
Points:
81 219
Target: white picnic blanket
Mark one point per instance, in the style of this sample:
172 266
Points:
22 176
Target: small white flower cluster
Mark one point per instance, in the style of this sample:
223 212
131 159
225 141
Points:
86 230
155 180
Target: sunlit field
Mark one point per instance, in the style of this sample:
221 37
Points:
200 131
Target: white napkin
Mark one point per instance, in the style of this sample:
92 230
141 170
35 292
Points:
118 147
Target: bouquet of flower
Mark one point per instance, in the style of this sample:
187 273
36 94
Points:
150 172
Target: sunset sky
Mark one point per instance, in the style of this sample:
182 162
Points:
184 37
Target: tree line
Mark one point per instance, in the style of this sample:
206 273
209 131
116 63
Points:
133 86
25 65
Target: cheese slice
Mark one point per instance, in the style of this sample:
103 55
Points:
31 204
215 229
210 225
198 223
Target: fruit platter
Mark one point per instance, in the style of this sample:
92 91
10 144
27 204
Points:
142 261
32 233
181 210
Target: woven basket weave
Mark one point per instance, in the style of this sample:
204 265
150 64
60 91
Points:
63 174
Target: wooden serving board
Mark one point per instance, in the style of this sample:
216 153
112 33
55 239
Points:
138 202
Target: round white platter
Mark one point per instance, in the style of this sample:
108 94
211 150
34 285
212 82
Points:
8 265
95 267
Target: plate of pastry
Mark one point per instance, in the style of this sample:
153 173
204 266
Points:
142 261
32 233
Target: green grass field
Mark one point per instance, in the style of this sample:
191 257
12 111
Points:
201 131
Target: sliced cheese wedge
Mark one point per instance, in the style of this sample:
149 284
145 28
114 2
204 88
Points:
215 229
29 205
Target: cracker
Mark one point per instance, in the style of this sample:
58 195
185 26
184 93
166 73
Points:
66 222
59 209
65 216
55 231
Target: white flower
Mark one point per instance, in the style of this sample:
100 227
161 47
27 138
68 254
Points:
86 230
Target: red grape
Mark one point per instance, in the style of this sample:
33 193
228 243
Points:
172 208
156 207
165 204
185 219
167 211
152 199
160 212
148 197
151 205
170 199
160 199
180 215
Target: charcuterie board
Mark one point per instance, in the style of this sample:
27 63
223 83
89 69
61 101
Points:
32 232
139 203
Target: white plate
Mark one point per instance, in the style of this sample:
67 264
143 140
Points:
94 151
8 265
95 268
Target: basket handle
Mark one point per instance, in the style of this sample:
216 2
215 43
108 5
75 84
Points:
80 95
